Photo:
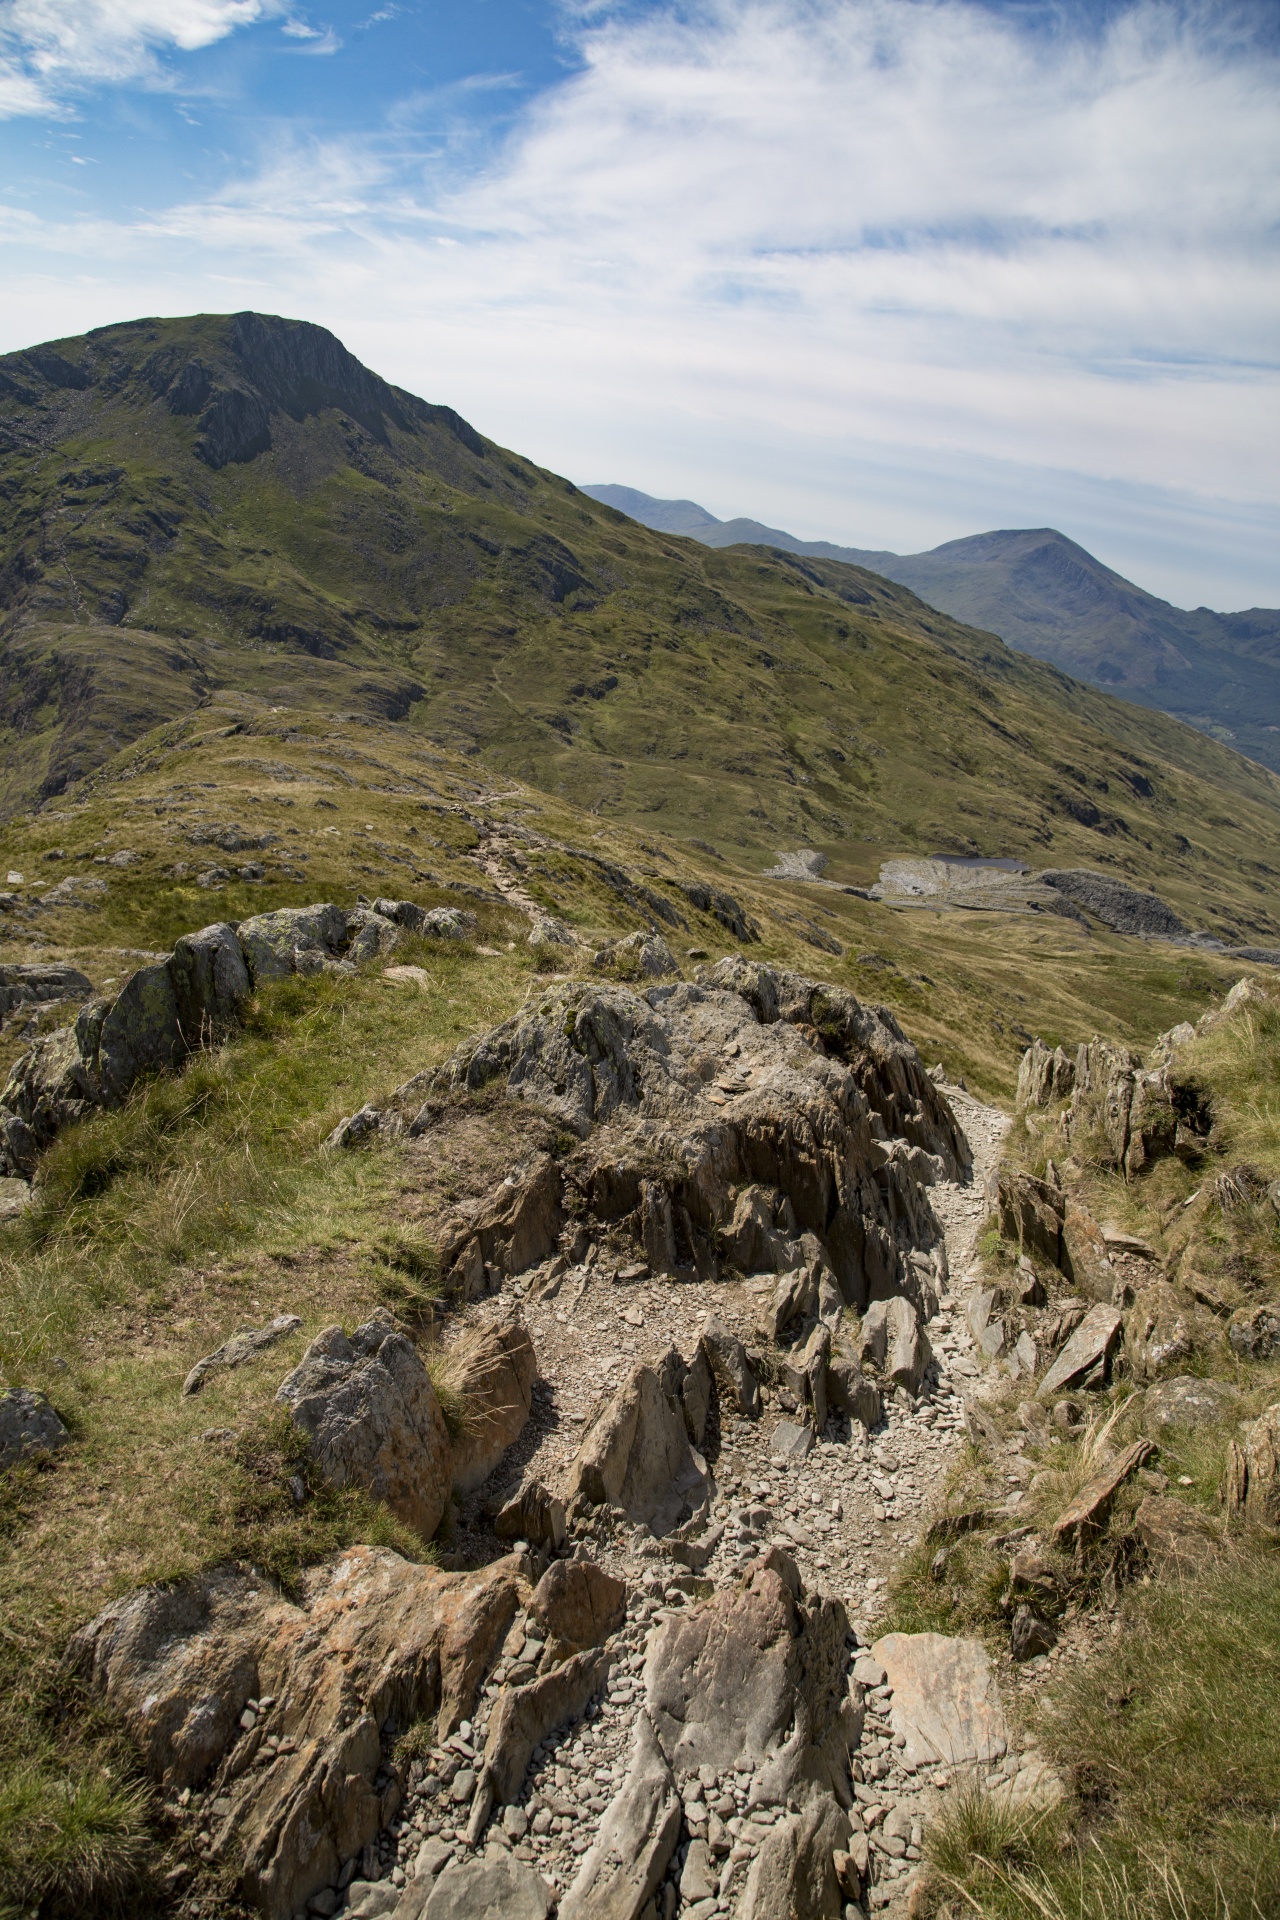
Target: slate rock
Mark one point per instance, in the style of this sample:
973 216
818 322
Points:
535 1515
211 982
293 940
29 1427
495 1368
353 1130
624 1866
579 1604
791 1442
1175 1534
1088 1511
893 1340
1029 1635
946 1699
637 1455
522 1717
1253 1471
794 1872
371 1413
1254 1332
727 1358
850 1392
1087 1353
239 1348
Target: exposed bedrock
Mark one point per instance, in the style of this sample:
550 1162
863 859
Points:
298 1780
752 1119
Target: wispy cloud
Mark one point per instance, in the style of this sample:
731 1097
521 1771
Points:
51 47
890 269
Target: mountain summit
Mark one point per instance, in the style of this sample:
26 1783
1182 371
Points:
1047 596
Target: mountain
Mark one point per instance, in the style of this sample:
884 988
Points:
233 503
1047 596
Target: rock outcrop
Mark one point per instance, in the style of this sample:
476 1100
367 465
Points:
637 1454
946 1699
494 1371
748 1081
29 1427
367 1405
283 1712
165 1011
241 1347
1253 1471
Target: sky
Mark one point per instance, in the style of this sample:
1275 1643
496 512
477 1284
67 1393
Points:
885 272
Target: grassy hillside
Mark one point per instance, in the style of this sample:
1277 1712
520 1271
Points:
210 505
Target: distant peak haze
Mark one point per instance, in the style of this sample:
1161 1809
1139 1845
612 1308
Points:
1047 596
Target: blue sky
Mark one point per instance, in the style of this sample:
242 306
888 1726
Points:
880 271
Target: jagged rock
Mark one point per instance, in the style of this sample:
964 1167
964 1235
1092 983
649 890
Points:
699 1877
695 1396
1086 1358
1044 1076
492 1886
849 1391
29 1427
15 1193
1029 1635
1030 1211
1159 1330
754 1677
210 982
495 1368
1174 1534
790 1442
1087 1513
516 1228
1132 1103
19 1148
780 1113
1253 1471
579 1604
373 1642
358 1126
636 1454
624 1867
795 1297
371 1413
1186 1401
1086 1258
727 1358
894 1342
946 1700
534 1515
751 1239
546 931
239 1348
523 1717
639 956
369 936
794 1872
1254 1332
435 923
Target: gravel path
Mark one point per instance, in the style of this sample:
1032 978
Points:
847 1514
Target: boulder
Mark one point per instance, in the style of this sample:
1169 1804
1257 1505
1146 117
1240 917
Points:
638 956
210 982
516 1228
1090 1509
695 1393
369 1409
754 1678
732 1369
1175 1535
494 1370
850 1392
1254 1332
297 1785
795 1298
15 1194
29 1427
579 1604
353 1130
1186 1401
624 1867
19 1148
492 1886
535 1515
794 1872
946 1700
637 1455
894 1342
40 983
239 1348
293 940
1086 1358
1086 1259
432 923
751 1239
1159 1331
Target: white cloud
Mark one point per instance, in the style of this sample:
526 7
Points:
49 46
884 270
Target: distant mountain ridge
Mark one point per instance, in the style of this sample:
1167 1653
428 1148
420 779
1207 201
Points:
1047 596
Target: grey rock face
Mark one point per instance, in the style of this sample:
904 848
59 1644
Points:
894 1342
946 1699
293 940
495 1372
210 981
1044 1076
1186 1401
523 1717
643 956
534 1515
371 1413
37 983
794 1872
28 1426
239 1348
849 1391
1254 1332
622 1871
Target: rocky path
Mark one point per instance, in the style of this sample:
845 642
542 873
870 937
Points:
846 1513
